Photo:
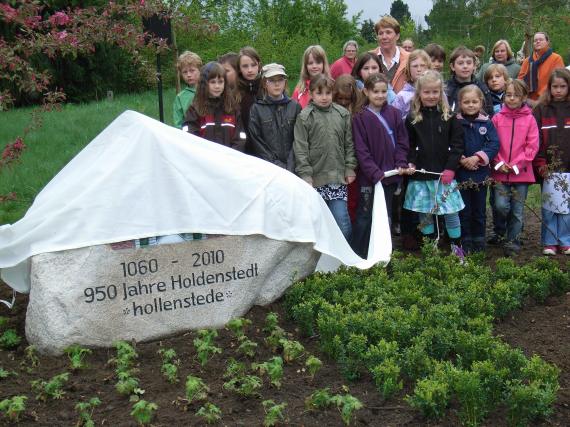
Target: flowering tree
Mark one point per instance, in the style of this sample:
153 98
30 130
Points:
30 31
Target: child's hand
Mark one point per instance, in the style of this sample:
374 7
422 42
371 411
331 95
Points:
543 171
447 176
505 168
470 163
350 179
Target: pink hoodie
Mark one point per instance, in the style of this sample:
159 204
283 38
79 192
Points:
518 138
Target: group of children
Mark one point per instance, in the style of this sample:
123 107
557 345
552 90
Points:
448 141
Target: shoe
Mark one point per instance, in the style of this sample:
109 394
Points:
565 250
495 240
549 250
510 249
458 252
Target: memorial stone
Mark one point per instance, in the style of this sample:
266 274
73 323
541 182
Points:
97 295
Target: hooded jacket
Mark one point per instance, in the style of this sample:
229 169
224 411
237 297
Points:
435 144
554 131
271 129
324 152
518 139
481 139
249 92
375 151
452 88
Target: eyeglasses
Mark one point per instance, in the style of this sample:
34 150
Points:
275 82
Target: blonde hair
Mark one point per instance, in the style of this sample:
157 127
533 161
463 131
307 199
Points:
416 54
320 56
496 68
188 59
428 78
507 46
471 89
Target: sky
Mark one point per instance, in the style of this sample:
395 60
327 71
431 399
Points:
373 9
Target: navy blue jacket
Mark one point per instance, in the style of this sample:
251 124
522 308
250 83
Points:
481 139
452 87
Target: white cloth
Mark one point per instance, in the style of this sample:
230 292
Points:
555 196
141 178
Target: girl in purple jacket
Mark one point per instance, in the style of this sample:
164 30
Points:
381 144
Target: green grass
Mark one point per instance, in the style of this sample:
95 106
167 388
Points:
63 134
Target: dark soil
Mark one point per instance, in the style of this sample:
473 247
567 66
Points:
541 329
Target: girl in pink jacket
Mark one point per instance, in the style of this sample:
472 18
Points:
512 168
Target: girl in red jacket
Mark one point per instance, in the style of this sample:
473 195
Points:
214 113
512 168
553 162
314 62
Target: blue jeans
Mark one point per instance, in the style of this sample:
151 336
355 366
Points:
555 230
473 218
509 202
339 209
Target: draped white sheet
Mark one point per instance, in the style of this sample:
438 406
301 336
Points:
141 178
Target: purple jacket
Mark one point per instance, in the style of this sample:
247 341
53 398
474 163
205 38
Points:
374 148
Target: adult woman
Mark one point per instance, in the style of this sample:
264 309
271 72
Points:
393 59
502 54
344 64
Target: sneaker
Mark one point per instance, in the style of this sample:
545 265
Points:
458 252
565 250
549 250
397 229
510 249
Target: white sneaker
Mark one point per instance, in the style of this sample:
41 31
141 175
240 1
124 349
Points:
549 250
565 250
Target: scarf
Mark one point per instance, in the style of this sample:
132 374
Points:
531 78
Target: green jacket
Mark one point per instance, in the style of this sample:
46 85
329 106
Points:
181 104
324 153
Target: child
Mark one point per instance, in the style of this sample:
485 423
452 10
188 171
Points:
324 154
462 64
214 113
512 167
230 63
553 117
248 84
272 119
418 63
436 146
189 68
437 56
345 92
381 144
314 62
496 77
481 145
365 66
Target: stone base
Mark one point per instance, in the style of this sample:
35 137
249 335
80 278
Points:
95 296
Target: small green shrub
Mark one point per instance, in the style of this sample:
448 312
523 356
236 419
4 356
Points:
143 412
273 368
13 408
273 412
76 354
210 412
313 365
85 410
196 389
9 339
52 389
246 386
387 378
430 397
205 349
